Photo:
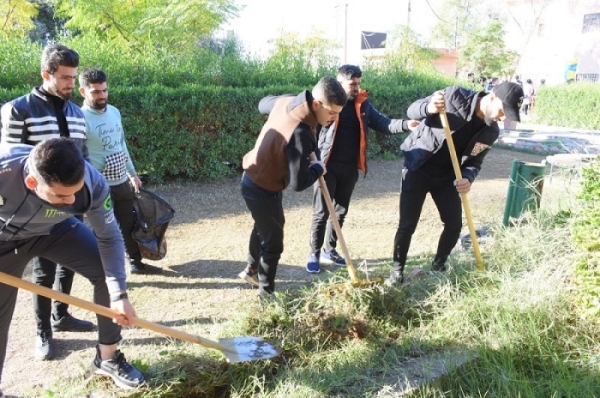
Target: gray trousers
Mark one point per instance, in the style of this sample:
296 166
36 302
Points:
71 244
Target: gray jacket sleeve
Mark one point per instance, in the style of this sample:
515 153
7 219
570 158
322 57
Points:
104 224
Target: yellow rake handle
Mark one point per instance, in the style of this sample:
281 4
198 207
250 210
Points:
465 201
107 312
336 226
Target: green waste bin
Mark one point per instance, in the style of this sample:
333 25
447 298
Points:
524 189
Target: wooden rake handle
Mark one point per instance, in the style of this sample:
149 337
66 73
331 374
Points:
465 201
107 312
337 227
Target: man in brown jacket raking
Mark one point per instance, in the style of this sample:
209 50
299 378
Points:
281 157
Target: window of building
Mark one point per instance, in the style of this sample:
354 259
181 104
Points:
588 77
591 23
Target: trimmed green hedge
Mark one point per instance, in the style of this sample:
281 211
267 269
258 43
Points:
202 132
569 105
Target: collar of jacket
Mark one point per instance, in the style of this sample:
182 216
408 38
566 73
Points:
301 110
44 96
362 96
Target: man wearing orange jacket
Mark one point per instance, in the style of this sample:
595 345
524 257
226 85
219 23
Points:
343 148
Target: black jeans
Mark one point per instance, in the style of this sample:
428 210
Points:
340 180
74 246
414 189
122 197
51 275
266 239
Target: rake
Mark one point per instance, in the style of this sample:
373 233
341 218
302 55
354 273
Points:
237 349
354 279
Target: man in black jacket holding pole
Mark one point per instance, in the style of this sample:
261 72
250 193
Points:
473 118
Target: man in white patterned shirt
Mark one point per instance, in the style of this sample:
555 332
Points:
109 155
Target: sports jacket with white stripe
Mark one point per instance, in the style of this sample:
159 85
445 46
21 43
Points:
31 119
23 215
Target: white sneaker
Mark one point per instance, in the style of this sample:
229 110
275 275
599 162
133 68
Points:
249 275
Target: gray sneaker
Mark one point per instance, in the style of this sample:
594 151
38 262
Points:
123 374
45 349
396 278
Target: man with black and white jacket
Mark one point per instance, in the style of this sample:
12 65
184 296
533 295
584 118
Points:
44 113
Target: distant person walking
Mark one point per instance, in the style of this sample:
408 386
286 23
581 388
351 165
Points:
528 94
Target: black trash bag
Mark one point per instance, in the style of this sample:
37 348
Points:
152 214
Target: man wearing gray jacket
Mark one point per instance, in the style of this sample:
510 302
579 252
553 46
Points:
41 189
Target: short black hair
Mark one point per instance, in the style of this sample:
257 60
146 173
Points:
329 91
349 71
91 76
57 160
56 55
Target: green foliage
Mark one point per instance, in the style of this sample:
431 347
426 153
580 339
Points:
141 24
407 52
192 132
586 233
485 53
16 17
458 19
309 57
20 66
569 105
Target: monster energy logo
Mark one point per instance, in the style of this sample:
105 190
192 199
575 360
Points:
108 203
54 213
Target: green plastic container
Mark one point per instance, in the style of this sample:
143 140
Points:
524 189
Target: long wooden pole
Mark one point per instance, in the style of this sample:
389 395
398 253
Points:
463 196
354 279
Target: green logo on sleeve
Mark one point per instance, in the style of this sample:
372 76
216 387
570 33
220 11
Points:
108 203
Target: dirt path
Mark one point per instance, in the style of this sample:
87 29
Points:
207 244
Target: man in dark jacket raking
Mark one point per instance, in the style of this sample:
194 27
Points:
41 188
281 157
343 148
47 112
473 118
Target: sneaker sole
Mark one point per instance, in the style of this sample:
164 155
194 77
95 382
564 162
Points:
313 271
44 357
77 329
243 275
118 382
330 262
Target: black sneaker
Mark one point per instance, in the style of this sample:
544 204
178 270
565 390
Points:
45 349
396 278
68 323
250 275
123 374
1 394
138 267
440 267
